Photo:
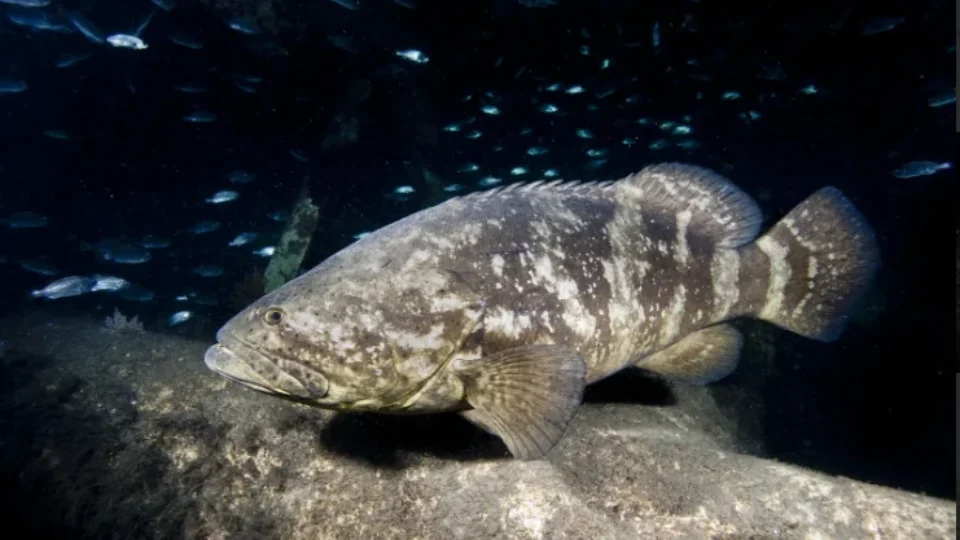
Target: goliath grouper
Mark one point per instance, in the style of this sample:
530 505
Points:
504 304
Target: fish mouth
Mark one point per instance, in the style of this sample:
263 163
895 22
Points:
225 362
244 364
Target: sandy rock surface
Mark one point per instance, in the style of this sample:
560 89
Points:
128 435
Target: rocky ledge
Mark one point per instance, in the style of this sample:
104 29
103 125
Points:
126 435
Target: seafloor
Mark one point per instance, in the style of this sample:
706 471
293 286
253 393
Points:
127 435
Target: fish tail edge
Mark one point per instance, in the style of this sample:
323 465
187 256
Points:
821 260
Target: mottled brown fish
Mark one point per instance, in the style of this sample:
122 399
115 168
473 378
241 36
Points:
504 304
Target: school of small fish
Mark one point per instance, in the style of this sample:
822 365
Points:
571 106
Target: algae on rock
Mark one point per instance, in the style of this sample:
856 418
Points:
294 242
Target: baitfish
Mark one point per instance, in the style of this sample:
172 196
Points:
504 304
65 288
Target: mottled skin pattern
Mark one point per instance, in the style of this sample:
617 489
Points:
587 266
616 271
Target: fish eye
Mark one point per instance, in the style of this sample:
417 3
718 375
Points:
273 316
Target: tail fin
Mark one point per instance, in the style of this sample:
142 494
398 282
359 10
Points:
822 257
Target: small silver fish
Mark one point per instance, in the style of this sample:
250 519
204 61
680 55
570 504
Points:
68 59
241 177
150 241
125 254
224 196
204 227
41 267
878 25
243 239
244 26
191 88
59 134
108 283
413 55
126 41
948 97
39 20
12 86
65 287
920 168
185 40
179 317
208 270
86 27
199 117
27 3
166 5
352 5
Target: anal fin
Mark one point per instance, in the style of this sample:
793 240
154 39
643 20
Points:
526 396
702 357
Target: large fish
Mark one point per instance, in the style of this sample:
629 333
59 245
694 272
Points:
504 304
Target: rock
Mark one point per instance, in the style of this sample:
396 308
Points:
128 435
294 241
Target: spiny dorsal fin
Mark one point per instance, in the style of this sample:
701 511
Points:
526 396
718 209
566 187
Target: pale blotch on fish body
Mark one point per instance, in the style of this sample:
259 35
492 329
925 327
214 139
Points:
504 304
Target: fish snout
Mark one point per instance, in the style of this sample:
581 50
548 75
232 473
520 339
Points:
256 371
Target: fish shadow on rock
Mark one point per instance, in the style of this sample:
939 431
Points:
393 441
631 385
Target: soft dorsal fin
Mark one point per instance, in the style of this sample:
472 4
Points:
718 209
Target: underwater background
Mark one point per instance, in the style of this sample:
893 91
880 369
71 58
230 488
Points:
160 169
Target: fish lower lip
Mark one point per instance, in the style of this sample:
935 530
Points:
223 361
215 357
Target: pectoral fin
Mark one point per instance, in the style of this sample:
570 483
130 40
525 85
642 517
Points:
526 396
702 357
